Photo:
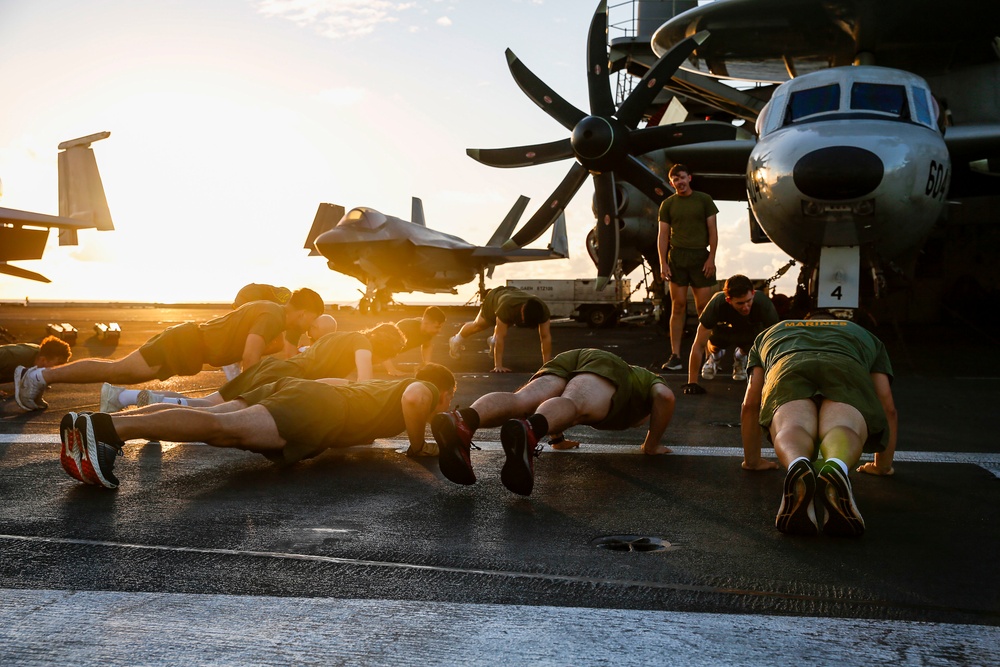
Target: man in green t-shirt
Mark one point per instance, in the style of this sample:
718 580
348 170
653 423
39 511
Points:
419 332
243 335
587 386
687 241
51 352
504 307
819 387
286 421
732 319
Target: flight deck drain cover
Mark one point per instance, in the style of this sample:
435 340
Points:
631 543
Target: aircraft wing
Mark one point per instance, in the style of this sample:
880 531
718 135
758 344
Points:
720 166
975 159
13 216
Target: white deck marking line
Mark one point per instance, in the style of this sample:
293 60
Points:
987 460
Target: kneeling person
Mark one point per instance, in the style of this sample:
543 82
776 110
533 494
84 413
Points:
587 386
287 421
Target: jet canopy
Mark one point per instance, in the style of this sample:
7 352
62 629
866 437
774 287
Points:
362 218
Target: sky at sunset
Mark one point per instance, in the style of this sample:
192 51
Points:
231 120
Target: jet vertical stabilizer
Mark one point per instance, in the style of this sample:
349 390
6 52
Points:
327 217
506 228
417 212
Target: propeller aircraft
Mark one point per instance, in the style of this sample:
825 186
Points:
82 205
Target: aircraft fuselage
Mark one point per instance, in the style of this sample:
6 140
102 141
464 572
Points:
850 156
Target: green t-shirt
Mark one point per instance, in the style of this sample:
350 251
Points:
722 318
225 337
375 410
332 356
14 355
831 336
414 335
505 303
687 218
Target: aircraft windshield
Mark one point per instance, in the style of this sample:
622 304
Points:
805 103
880 97
362 217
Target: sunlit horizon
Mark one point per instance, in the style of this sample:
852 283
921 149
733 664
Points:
231 121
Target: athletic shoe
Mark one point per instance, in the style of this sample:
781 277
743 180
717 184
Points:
520 445
492 342
842 516
109 398
454 439
148 396
26 390
71 453
739 366
797 514
101 445
673 363
455 346
709 368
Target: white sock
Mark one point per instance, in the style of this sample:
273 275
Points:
801 458
843 466
173 401
128 396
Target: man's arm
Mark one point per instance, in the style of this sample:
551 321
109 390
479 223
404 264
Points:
545 338
660 414
662 247
425 353
391 369
697 356
750 423
363 365
253 350
417 407
883 460
713 245
499 336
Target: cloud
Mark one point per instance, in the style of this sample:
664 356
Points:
336 19
444 21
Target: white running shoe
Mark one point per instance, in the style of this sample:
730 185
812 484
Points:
455 346
28 387
109 398
739 366
710 367
148 396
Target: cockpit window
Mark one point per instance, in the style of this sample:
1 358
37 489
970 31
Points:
921 108
809 102
362 217
881 97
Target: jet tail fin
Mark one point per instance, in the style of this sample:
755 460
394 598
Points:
81 192
506 228
417 212
559 244
18 272
327 217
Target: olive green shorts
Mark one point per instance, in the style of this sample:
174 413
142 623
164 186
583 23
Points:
686 267
830 376
308 414
178 350
596 362
265 371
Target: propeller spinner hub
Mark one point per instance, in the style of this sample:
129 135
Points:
593 140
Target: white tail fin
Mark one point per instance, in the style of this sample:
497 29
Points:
81 192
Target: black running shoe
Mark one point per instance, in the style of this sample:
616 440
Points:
101 445
454 439
71 454
674 363
519 444
797 514
842 516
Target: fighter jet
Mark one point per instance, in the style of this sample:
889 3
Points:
82 205
388 254
870 117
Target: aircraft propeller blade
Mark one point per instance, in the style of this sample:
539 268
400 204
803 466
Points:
522 156
632 109
550 210
598 81
679 134
538 92
648 183
607 227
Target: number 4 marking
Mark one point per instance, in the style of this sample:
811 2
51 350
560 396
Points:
838 292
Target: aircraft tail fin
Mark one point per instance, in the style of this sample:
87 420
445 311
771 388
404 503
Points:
327 217
559 244
81 192
417 212
506 228
18 272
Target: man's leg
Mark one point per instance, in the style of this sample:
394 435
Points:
793 432
843 431
468 329
228 425
31 383
678 316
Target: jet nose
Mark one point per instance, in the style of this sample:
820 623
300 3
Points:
838 173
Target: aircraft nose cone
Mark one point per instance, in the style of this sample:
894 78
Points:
838 173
